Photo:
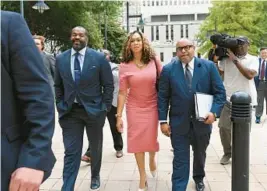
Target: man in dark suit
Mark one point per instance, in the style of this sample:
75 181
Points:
111 115
179 80
48 59
84 92
261 84
27 117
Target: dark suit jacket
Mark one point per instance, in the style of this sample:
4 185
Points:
49 62
174 90
256 78
95 89
27 107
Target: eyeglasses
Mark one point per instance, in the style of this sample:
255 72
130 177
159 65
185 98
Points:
186 48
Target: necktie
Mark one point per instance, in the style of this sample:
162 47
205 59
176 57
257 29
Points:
188 76
262 70
77 69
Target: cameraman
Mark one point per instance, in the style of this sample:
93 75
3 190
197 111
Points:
239 70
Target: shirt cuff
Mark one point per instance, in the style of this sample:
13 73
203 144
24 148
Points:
163 121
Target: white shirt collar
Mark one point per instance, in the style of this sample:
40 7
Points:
82 51
191 64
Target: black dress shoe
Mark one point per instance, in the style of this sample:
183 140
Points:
200 186
95 183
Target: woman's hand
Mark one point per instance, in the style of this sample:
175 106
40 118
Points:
119 125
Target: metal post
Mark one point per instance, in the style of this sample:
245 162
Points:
241 118
127 16
21 8
106 30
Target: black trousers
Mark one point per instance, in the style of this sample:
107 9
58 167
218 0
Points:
117 138
72 125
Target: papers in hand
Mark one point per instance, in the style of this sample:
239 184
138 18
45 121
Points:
203 104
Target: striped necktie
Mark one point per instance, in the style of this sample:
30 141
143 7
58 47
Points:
188 76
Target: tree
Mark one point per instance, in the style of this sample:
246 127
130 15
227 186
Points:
236 19
56 23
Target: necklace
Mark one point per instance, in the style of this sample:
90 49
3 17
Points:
139 65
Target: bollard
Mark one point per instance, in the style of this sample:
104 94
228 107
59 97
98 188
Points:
241 118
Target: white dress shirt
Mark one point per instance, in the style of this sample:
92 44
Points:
190 66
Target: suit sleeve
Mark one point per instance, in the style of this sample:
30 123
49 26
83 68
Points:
164 94
106 80
34 97
52 65
59 89
218 91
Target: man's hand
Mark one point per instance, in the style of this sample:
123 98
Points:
231 55
24 179
210 118
165 129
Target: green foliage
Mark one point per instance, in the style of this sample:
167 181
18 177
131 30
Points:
246 18
56 23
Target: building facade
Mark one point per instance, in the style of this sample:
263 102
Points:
167 21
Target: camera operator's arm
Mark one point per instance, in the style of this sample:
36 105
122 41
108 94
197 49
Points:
247 72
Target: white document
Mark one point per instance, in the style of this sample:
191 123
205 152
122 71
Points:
203 104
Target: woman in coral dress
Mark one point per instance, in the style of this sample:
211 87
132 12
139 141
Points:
138 74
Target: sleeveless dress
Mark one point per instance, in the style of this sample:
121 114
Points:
141 106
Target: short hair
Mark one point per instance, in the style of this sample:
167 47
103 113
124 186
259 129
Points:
81 28
41 38
263 48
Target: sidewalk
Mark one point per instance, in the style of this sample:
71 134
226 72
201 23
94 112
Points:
122 174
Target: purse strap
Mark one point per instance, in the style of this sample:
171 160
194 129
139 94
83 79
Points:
156 65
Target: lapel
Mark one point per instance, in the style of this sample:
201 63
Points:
67 66
89 60
198 70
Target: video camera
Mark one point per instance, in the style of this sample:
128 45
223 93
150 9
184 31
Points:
224 42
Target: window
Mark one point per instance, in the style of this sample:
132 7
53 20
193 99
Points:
166 2
167 32
152 33
186 31
157 3
170 2
162 57
153 3
144 3
161 2
173 54
175 2
171 32
157 32
148 3
182 31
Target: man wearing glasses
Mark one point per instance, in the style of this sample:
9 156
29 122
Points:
179 81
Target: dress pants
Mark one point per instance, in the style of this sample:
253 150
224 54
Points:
72 125
181 162
117 138
225 125
262 94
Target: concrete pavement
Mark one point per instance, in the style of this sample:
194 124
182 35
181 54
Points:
122 174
